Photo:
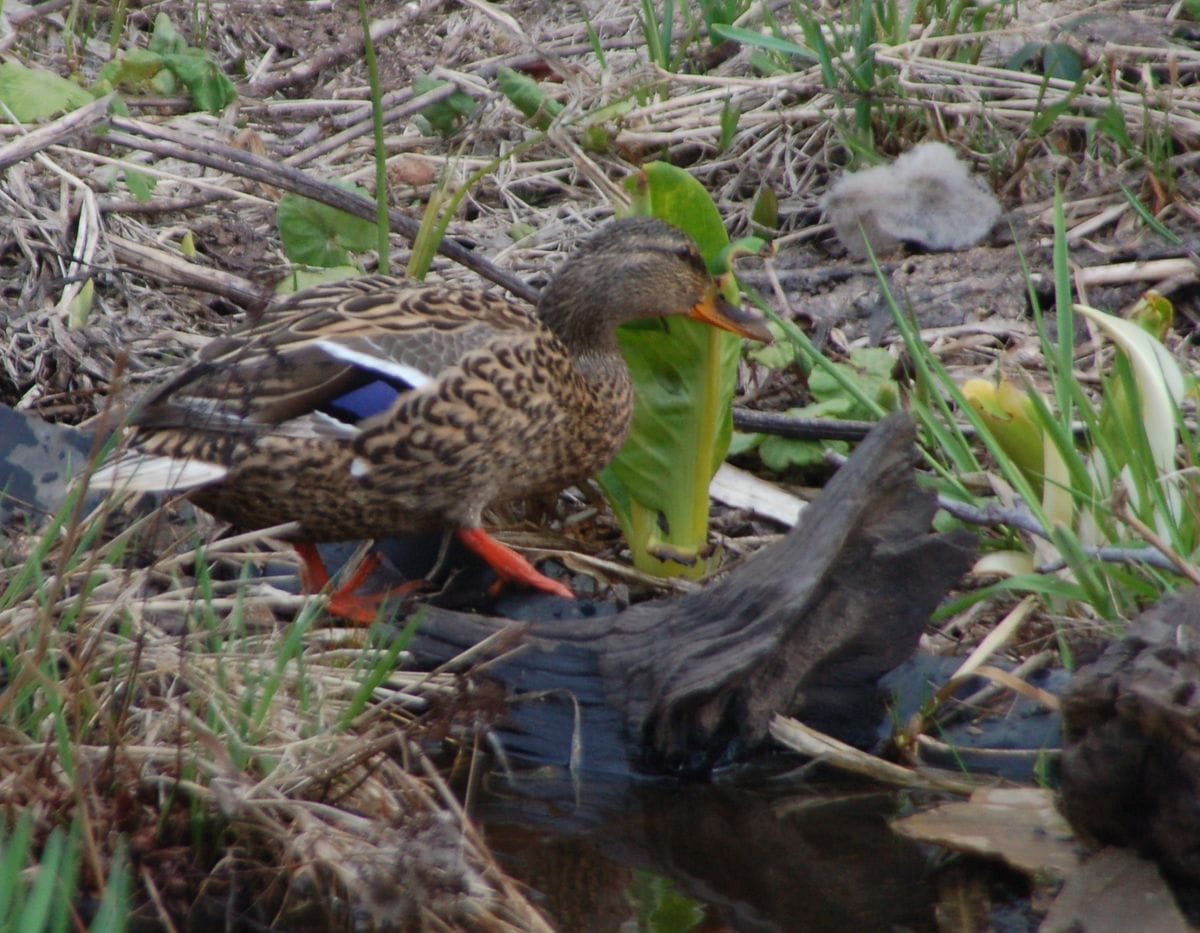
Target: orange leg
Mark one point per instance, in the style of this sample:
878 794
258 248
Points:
511 566
344 602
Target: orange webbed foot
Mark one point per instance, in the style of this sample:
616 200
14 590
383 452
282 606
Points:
345 602
509 565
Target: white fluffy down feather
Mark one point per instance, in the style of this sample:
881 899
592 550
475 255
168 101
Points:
927 196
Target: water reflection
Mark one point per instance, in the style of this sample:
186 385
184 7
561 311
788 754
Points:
762 858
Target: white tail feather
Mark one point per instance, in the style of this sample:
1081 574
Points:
148 473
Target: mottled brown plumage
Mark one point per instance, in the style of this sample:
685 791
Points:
375 407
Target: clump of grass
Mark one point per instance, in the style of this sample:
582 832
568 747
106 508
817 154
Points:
202 722
1104 520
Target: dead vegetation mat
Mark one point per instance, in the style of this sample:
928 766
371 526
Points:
251 771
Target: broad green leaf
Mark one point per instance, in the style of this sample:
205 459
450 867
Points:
870 369
743 442
841 390
134 71
1025 58
685 374
783 453
315 234
35 94
780 354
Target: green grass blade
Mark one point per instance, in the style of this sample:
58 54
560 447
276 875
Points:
383 246
36 911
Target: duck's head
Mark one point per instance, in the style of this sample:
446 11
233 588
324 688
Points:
631 269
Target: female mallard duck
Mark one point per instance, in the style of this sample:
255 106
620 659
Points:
375 407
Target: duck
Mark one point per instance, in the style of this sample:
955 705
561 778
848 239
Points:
378 407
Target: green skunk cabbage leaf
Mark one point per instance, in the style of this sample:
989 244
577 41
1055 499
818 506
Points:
685 373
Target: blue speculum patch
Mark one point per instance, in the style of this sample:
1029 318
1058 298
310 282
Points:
371 398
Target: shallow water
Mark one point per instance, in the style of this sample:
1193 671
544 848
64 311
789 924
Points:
777 856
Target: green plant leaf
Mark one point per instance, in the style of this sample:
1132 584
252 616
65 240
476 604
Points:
763 41
782 453
528 97
166 40
133 72
36 94
1113 125
1046 118
685 373
80 307
1154 314
764 216
207 84
446 116
1010 415
141 185
870 369
315 234
659 907
742 442
1061 61
730 117
1159 380
300 278
168 62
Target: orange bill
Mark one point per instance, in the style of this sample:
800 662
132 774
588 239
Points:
718 312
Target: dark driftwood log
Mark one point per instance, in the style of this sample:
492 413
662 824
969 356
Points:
806 627
1131 759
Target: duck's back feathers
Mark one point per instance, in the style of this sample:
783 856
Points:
325 342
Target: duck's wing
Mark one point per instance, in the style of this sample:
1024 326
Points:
316 365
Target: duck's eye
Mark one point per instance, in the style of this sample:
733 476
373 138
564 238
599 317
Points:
691 255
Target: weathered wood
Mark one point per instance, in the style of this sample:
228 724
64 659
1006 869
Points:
806 626
1131 756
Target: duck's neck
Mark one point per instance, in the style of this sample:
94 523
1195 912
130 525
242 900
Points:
577 307
576 318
